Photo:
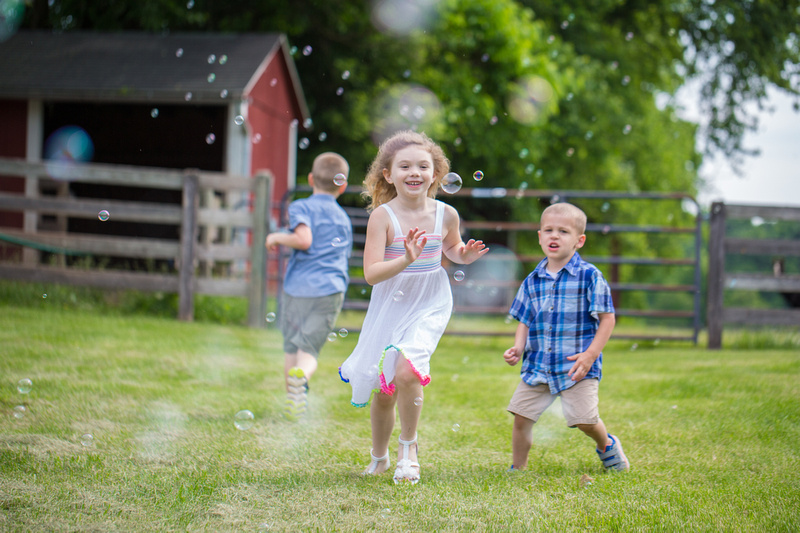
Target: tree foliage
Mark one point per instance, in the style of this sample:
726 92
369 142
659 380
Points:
611 63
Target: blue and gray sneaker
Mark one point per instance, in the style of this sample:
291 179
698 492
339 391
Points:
613 457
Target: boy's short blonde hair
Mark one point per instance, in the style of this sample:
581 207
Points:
326 166
571 211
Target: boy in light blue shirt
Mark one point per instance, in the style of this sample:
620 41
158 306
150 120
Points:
320 235
566 316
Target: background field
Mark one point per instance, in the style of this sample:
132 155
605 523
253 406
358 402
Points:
712 436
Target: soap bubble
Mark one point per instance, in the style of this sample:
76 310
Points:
243 420
308 122
223 93
339 180
223 59
627 129
339 91
238 120
456 427
451 183
68 144
345 74
179 52
44 295
530 99
307 51
418 401
303 144
477 175
398 296
211 58
19 412
210 138
270 317
24 386
343 332
190 4
211 78
154 112
103 215
629 36
626 80
338 242
605 207
458 275
323 136
331 336
256 138
606 229
634 346
87 439
273 82
187 96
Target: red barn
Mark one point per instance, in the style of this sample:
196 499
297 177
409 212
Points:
219 102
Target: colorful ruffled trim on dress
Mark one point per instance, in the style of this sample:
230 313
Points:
384 388
390 388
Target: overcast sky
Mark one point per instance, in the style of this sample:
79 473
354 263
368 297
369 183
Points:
771 178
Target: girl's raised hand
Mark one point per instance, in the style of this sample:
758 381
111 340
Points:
472 250
415 243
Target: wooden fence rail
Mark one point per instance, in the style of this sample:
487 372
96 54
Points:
720 279
187 252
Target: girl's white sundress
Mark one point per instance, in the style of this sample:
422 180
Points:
407 315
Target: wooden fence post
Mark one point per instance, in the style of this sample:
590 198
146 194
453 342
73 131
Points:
189 231
256 313
716 276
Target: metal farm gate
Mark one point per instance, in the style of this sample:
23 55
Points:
488 286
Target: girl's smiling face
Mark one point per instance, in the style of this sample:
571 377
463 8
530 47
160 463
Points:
411 172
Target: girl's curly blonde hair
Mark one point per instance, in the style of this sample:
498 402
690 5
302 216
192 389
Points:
377 190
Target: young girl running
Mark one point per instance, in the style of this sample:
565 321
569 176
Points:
411 300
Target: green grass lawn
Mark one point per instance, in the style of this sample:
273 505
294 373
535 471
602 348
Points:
713 437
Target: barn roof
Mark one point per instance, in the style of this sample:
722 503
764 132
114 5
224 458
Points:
139 67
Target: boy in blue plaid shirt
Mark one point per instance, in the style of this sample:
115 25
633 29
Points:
565 316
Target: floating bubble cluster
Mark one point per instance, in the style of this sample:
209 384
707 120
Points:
451 183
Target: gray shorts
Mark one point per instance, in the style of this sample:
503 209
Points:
579 402
306 322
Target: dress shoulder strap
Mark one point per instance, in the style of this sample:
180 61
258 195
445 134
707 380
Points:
437 230
397 231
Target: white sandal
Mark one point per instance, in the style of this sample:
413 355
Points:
373 465
407 470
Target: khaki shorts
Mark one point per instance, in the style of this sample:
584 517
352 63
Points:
579 402
306 322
